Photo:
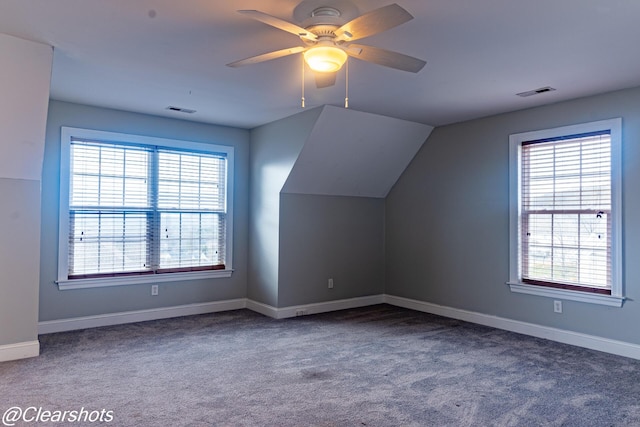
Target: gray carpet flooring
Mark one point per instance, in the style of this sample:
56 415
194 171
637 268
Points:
373 366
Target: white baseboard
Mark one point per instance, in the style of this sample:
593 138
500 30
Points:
264 309
321 307
30 349
51 326
21 350
592 342
62 325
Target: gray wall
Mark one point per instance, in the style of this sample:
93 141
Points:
274 150
24 85
441 236
56 304
19 224
324 237
447 219
299 241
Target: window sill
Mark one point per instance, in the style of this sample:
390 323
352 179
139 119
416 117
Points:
609 300
64 285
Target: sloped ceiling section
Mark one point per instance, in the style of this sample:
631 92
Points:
351 153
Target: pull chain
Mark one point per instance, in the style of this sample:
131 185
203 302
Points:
346 90
302 56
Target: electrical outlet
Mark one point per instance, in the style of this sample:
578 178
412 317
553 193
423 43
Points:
330 284
557 306
154 290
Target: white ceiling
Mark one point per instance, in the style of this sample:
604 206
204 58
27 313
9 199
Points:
146 55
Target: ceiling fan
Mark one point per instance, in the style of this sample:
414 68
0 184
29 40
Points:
329 40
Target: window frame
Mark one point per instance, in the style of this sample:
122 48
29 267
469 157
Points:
616 298
70 133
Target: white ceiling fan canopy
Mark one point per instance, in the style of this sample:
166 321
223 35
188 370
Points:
314 12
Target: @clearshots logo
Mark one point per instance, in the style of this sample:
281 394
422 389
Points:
33 414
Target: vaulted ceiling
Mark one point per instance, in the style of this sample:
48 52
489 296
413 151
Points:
147 55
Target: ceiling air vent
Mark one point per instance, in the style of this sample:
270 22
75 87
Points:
536 91
181 110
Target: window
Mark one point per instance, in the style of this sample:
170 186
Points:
136 209
565 213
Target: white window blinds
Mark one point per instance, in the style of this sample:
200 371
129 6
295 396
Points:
191 206
136 209
566 212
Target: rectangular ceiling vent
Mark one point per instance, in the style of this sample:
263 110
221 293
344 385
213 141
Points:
181 110
536 91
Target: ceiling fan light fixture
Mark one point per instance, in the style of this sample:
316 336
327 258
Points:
325 59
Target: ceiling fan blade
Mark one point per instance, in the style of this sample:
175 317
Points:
267 56
384 57
374 22
325 79
279 23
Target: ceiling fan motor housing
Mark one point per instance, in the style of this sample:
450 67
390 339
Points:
325 55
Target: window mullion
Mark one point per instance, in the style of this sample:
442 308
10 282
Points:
155 226
99 198
553 216
581 201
